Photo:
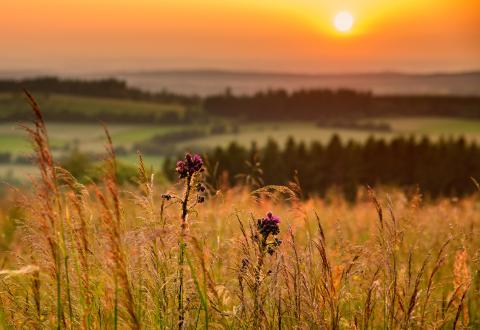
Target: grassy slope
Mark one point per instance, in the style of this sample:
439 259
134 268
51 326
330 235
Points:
13 102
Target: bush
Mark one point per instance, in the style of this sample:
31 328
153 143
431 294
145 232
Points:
85 169
24 159
5 157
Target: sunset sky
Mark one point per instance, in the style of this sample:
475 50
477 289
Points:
280 35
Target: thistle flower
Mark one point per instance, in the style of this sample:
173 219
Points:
181 169
189 166
268 225
194 163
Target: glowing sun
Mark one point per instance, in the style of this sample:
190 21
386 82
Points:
343 21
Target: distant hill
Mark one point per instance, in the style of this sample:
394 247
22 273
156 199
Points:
205 82
278 103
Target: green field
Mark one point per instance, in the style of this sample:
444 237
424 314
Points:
90 137
432 127
91 106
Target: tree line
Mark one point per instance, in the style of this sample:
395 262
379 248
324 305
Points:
341 103
441 168
111 87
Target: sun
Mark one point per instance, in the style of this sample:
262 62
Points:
343 21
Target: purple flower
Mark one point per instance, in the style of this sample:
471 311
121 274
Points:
272 218
189 166
268 225
194 163
181 169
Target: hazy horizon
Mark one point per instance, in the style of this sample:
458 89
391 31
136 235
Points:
82 74
88 36
127 68
204 82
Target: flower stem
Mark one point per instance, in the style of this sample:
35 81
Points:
257 283
182 245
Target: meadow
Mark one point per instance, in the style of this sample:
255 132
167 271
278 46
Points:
186 256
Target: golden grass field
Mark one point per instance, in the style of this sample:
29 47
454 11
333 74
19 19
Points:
110 257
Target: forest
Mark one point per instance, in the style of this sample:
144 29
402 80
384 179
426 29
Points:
341 103
440 168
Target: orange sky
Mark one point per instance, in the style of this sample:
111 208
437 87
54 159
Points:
280 35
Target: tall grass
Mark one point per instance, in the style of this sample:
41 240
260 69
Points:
102 257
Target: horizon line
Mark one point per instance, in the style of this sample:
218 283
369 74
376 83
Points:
246 71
